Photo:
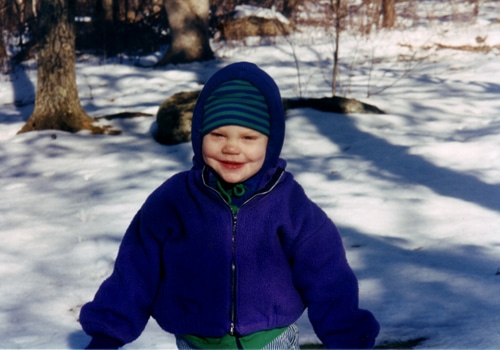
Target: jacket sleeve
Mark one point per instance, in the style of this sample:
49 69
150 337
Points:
122 305
326 282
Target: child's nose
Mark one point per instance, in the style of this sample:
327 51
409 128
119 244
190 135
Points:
231 147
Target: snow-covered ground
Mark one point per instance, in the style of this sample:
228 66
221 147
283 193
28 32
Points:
415 192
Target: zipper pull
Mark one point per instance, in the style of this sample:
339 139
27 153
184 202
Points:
235 221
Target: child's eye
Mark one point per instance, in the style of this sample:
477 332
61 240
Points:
216 134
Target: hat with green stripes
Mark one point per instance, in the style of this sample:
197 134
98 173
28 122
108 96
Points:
236 102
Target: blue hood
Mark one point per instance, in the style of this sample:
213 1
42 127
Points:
262 81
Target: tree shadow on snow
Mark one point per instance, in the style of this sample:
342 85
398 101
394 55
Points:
402 167
23 95
415 292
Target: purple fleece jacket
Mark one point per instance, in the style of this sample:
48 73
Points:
175 260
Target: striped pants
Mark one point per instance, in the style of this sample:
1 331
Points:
288 340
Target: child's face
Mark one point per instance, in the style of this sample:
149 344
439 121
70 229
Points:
236 153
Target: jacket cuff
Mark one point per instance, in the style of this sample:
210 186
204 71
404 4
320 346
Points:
102 341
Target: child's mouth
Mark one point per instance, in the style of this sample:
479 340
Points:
231 165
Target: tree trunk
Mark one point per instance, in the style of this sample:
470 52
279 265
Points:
336 6
104 10
388 13
289 7
57 105
29 11
188 21
475 11
4 59
104 26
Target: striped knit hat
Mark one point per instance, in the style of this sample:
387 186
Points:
236 102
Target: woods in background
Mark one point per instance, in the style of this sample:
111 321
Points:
56 31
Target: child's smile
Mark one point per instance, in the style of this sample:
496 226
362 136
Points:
232 165
236 153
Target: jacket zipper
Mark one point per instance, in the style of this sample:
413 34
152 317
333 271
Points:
233 277
232 329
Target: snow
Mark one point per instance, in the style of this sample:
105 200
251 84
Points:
415 192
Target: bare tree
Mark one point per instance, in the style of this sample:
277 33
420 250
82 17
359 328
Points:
105 24
188 21
388 13
8 23
339 12
475 11
57 105
4 59
289 7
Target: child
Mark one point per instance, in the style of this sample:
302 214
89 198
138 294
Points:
229 254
